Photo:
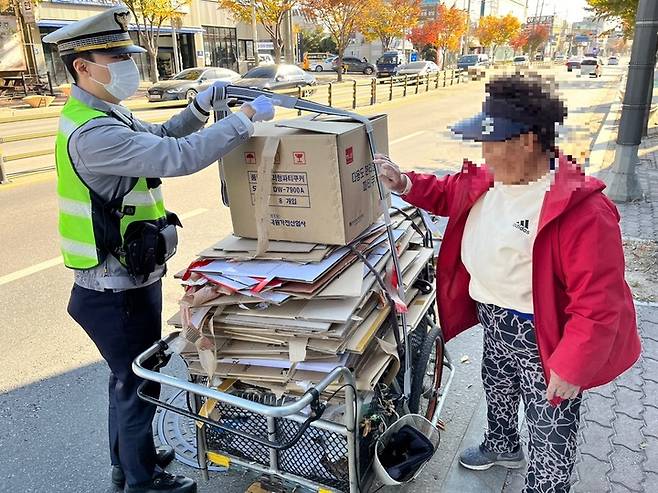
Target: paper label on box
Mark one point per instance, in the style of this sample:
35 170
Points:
288 189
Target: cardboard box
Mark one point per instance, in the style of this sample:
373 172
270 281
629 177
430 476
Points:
323 183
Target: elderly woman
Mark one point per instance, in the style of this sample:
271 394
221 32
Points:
532 251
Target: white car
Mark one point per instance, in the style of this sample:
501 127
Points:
521 60
613 60
324 65
559 58
418 68
591 66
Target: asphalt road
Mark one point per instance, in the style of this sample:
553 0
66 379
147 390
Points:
52 381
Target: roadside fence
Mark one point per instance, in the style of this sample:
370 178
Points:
349 94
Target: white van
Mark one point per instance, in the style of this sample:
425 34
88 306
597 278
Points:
591 66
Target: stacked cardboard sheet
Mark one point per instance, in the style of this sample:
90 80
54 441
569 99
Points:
286 319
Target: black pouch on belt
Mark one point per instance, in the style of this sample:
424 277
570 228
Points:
141 248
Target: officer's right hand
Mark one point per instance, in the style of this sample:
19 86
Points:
390 174
211 96
260 109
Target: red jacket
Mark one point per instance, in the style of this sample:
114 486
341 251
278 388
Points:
584 313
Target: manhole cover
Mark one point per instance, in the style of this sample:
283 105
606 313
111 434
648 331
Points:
179 432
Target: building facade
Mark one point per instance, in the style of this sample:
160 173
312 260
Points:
206 36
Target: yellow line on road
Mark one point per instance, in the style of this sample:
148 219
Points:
54 262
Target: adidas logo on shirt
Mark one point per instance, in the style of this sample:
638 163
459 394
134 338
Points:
523 225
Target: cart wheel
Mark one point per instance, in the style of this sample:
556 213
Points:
427 373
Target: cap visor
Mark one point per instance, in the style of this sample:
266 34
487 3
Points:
470 128
123 50
483 128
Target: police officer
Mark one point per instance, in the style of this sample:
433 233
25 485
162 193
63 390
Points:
115 231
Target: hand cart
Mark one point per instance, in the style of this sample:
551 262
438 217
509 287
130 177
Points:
306 440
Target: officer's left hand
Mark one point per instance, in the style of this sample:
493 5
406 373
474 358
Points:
560 388
208 98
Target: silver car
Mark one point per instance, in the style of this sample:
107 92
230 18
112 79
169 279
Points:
418 68
188 83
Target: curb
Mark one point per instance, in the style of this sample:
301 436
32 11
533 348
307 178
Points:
604 140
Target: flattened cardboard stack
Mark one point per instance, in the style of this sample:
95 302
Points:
285 320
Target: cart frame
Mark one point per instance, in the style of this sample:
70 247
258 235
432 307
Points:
147 364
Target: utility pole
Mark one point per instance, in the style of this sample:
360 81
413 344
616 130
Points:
468 28
482 8
622 181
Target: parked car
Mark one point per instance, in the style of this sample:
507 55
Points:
473 60
573 63
188 83
559 57
357 65
539 57
388 63
280 76
591 66
613 60
326 64
419 69
521 60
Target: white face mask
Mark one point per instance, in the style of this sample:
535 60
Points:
124 78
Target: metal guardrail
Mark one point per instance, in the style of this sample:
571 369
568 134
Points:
349 94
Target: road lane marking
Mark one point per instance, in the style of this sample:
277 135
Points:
28 271
193 213
407 137
54 262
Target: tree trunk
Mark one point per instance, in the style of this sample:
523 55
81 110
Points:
443 59
277 50
341 52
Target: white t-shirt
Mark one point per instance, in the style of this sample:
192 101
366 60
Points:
497 244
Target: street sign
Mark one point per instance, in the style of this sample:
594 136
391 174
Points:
413 57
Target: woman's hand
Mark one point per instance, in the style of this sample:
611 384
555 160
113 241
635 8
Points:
560 388
390 174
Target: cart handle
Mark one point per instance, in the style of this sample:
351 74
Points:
273 411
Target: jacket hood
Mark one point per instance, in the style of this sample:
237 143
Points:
570 187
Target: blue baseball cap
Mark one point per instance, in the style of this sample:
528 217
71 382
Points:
484 127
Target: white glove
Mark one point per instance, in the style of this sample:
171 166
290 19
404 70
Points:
211 96
262 107
391 176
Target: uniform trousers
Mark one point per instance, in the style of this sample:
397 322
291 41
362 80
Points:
122 325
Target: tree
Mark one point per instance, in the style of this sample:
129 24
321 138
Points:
310 40
493 31
537 36
389 19
271 14
341 18
149 15
444 33
623 11
519 42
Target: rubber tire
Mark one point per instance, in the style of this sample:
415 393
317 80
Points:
419 367
368 71
319 68
190 95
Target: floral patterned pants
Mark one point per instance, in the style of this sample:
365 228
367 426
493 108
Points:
511 370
